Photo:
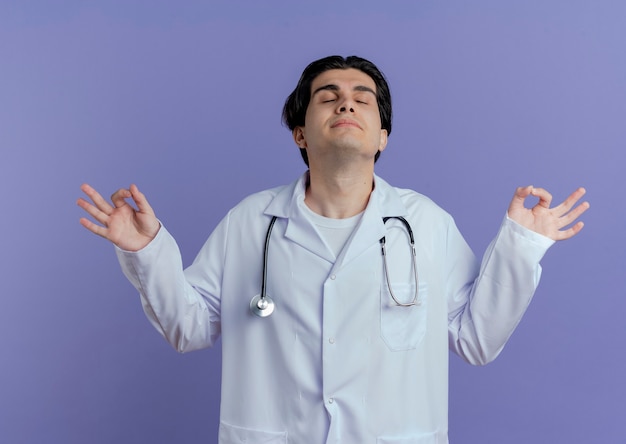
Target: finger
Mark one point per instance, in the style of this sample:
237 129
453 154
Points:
94 212
97 199
571 200
94 228
118 198
570 232
545 198
570 217
140 200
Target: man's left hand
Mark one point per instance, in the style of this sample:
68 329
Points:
549 222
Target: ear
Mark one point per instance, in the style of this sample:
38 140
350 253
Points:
383 140
298 137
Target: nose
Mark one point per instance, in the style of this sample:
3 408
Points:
345 106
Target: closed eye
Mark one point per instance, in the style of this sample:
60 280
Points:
363 99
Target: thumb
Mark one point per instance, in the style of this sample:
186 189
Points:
521 193
140 200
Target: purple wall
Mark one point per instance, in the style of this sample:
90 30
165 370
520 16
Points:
186 101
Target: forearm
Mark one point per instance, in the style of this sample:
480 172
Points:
185 318
499 296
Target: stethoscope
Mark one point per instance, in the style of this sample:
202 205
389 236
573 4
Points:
262 305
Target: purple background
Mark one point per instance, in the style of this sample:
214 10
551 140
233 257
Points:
185 99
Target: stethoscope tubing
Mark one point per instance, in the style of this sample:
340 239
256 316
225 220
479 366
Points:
415 301
262 305
265 254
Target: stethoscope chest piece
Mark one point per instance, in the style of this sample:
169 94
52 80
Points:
262 306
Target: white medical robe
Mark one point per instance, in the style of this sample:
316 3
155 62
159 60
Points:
338 361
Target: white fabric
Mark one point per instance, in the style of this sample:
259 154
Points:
338 361
334 232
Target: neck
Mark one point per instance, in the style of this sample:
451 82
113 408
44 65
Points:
339 194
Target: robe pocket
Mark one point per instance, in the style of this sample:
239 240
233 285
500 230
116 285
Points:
403 328
429 438
230 434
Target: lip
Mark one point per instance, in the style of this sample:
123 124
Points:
345 123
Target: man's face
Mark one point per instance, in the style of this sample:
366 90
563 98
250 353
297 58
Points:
342 120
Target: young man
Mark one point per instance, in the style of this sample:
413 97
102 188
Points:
347 340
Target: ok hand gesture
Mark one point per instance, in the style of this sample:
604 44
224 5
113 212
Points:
547 221
129 228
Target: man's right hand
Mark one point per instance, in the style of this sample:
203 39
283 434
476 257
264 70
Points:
129 228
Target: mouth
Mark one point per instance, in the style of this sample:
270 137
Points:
341 123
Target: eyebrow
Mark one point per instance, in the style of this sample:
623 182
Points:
331 87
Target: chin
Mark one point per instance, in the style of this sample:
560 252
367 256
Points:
350 153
